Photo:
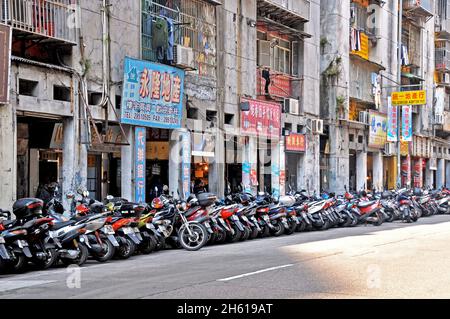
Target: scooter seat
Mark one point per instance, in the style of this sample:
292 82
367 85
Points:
9 223
366 204
63 224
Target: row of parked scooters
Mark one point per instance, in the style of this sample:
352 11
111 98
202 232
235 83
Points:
46 234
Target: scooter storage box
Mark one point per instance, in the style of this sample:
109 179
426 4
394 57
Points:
206 199
27 207
287 201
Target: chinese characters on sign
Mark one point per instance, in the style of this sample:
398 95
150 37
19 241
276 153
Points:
409 98
152 94
377 130
263 119
406 123
392 125
295 143
139 168
5 58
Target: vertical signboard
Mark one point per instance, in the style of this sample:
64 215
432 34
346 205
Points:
377 130
186 163
392 125
5 65
139 166
407 123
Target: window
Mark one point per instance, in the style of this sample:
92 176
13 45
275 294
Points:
192 113
229 118
118 101
359 18
275 53
360 139
351 137
195 27
94 98
29 88
61 93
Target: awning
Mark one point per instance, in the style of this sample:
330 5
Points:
283 29
283 16
412 76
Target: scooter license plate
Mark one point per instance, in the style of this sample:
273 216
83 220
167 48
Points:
150 226
296 219
22 243
108 229
2 240
128 230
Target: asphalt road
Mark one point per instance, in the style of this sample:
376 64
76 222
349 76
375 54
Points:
391 261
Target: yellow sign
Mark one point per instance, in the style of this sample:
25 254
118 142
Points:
409 98
404 148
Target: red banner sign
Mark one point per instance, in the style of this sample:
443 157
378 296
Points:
263 119
296 143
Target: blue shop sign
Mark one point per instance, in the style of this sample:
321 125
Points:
152 94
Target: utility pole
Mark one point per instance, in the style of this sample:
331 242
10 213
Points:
399 79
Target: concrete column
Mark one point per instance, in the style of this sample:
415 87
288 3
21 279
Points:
216 179
378 171
69 167
338 159
429 176
447 174
8 157
440 174
175 159
127 165
361 171
34 171
275 168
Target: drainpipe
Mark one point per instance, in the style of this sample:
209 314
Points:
399 79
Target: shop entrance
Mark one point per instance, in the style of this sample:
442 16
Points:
157 163
39 155
352 171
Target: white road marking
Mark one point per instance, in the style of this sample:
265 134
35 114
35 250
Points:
255 272
18 284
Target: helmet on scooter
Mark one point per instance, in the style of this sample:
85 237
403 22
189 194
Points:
157 203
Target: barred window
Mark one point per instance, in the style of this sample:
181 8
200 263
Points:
195 27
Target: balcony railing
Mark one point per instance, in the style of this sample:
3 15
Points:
52 19
442 56
422 8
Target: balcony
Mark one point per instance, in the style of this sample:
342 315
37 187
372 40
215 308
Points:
44 20
281 86
289 13
194 29
442 56
442 28
419 8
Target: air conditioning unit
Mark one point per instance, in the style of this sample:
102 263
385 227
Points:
184 57
292 106
439 119
317 126
389 148
364 117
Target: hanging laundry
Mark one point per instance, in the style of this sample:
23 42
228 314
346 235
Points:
160 37
170 40
405 57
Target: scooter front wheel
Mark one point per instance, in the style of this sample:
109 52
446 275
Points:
193 236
